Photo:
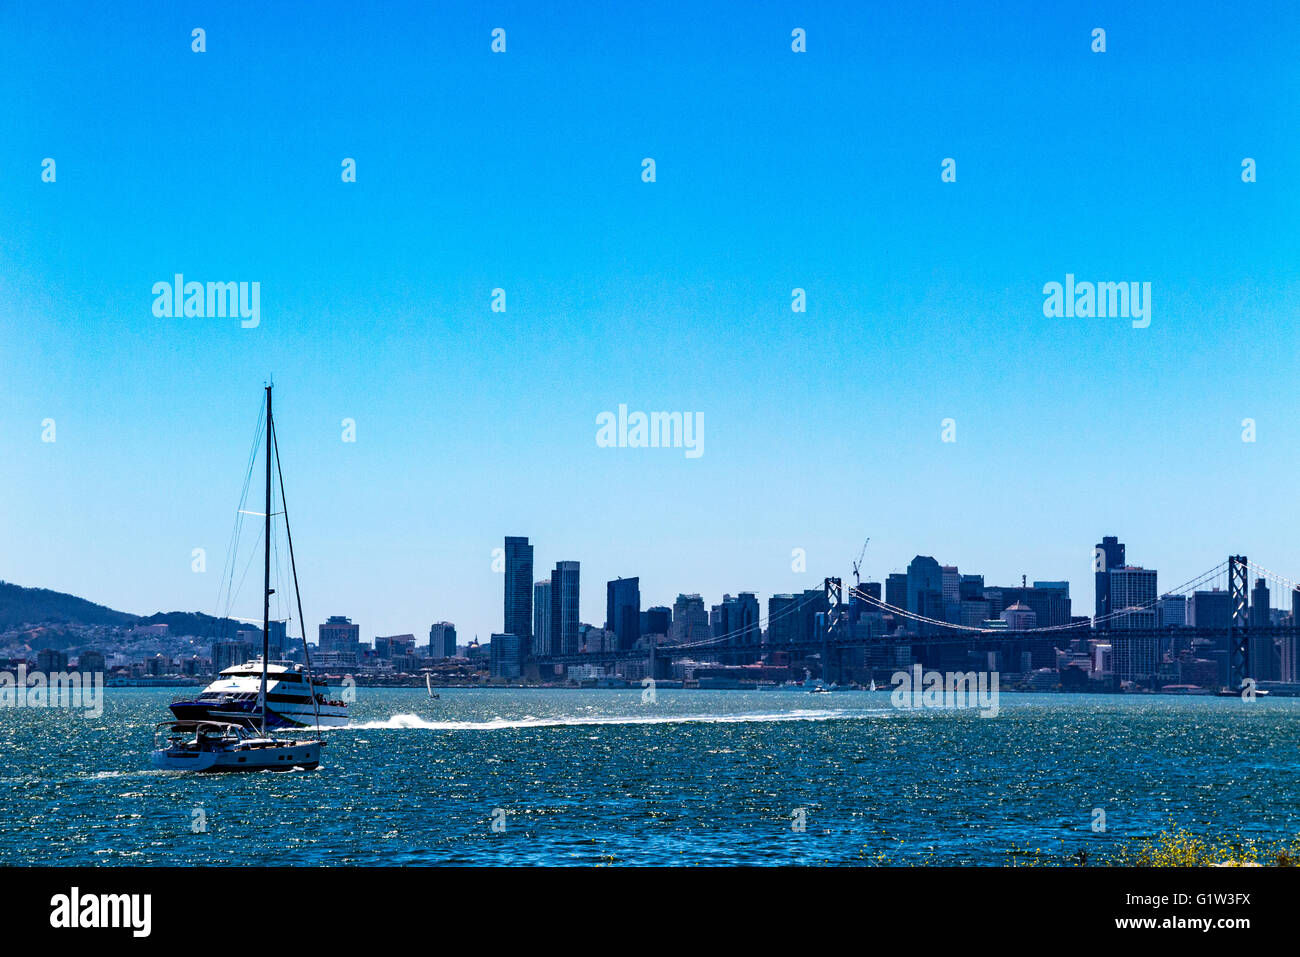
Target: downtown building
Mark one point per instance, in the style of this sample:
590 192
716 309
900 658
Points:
442 640
542 618
518 615
564 637
623 611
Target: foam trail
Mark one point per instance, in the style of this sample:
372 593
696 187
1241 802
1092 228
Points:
413 721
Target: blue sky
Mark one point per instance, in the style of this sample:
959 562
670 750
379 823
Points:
775 170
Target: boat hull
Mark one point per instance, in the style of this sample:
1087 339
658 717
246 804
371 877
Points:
278 756
330 716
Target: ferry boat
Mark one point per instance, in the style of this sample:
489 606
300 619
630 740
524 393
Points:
294 699
223 746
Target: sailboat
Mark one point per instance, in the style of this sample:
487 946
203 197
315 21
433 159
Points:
428 683
202 743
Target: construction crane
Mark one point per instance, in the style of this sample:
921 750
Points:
857 580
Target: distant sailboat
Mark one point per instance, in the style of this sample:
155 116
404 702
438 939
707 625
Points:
873 684
428 683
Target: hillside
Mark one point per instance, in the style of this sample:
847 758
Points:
40 606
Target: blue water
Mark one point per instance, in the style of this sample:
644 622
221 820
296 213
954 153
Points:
695 777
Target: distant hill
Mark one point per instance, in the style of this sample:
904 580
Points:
40 606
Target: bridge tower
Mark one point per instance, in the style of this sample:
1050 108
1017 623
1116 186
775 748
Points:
831 650
1239 662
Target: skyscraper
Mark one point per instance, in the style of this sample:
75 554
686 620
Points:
1107 554
519 590
896 590
925 588
690 619
1264 663
1132 597
442 640
542 617
623 611
564 608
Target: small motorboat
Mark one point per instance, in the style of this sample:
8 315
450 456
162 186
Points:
224 746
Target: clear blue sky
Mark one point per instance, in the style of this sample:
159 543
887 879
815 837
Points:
522 171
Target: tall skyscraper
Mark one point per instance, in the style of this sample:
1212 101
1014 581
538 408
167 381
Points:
623 611
564 608
1107 554
442 640
782 619
925 588
519 590
542 618
1264 663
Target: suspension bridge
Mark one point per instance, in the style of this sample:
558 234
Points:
1245 638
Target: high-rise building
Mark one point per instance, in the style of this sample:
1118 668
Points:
1210 609
623 611
1171 611
859 605
925 588
1049 600
782 621
442 640
1135 657
1107 554
1290 650
690 620
338 634
542 618
1132 596
519 590
896 590
505 656
656 620
564 608
737 620
1264 663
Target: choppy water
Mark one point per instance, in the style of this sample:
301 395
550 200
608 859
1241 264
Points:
697 777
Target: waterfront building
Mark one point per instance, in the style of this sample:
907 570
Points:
442 640
564 608
1107 554
542 617
519 589
623 611
505 656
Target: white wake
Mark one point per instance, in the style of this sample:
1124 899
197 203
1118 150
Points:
414 721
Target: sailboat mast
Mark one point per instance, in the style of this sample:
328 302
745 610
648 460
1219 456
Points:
266 578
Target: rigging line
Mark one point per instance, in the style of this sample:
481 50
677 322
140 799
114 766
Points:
232 550
302 622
